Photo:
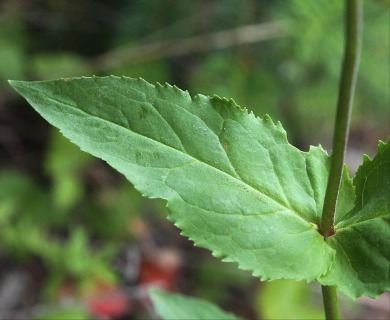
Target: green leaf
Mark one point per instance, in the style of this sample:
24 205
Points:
233 183
362 239
175 306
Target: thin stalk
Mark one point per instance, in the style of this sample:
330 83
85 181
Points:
331 304
344 106
353 30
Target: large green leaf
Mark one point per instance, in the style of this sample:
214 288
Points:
362 239
171 306
232 181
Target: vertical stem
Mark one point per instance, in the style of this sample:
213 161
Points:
353 26
344 106
331 305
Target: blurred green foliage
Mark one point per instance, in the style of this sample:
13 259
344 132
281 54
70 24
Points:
64 164
216 274
57 223
13 43
287 299
27 219
55 214
64 314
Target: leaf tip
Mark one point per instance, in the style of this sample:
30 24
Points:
320 147
159 85
346 171
279 125
19 86
366 158
154 291
139 79
227 102
268 120
220 255
383 144
15 83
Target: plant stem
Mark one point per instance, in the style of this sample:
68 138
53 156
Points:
331 305
344 106
353 30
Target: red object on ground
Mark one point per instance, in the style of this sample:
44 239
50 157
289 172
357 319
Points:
161 270
152 274
110 304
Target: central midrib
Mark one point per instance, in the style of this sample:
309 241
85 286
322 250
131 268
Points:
239 180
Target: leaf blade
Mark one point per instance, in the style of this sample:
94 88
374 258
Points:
362 239
171 306
232 182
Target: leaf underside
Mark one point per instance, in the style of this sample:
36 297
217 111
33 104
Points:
232 181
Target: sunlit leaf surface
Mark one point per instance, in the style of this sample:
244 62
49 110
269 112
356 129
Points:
232 181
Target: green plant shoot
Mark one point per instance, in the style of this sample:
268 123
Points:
232 182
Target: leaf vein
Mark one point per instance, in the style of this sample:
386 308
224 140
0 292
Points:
175 150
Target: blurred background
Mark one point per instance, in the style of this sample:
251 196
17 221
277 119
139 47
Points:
76 241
